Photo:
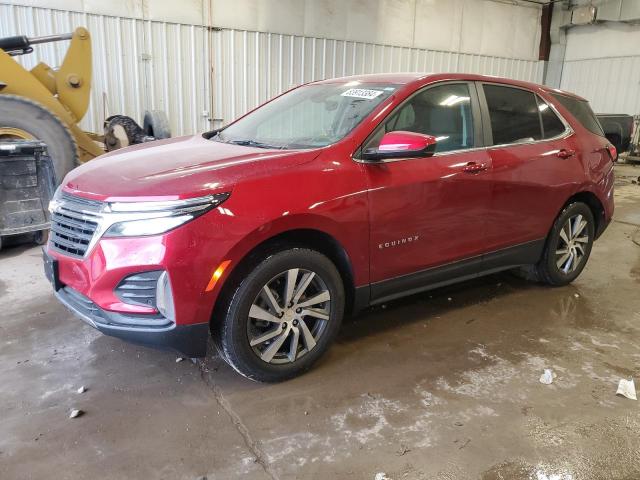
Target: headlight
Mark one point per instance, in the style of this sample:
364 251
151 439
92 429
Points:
152 226
133 219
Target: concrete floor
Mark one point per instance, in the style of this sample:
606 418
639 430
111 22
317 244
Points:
442 385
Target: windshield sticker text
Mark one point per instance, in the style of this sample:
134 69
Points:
362 93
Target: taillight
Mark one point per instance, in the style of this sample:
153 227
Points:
613 152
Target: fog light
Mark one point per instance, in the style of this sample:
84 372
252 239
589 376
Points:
164 297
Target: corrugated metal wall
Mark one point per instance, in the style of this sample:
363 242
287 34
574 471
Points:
602 64
141 64
137 64
610 84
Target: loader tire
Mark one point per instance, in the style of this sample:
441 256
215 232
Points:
24 118
156 124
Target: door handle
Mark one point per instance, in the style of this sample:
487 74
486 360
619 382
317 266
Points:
473 167
565 153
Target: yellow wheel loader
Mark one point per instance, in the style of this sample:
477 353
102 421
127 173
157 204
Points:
47 104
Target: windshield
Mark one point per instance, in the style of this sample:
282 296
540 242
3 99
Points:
311 116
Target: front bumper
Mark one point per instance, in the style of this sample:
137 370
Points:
149 330
114 283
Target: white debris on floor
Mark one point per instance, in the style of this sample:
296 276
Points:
381 476
627 388
75 413
82 389
547 377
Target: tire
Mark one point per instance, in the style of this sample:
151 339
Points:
31 117
240 337
120 131
156 124
552 269
41 237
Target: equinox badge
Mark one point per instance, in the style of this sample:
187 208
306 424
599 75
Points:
400 241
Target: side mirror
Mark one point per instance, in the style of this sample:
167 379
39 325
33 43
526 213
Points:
402 145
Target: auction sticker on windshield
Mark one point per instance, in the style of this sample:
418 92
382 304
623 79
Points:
362 93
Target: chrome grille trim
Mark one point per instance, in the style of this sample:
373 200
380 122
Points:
74 222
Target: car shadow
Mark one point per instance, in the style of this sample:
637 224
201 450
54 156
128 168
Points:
431 304
16 245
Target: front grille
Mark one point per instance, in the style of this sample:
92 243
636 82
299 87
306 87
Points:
139 288
73 224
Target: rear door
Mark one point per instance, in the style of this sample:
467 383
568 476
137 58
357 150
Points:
534 164
426 212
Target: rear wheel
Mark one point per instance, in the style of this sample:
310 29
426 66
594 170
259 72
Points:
568 245
282 316
25 119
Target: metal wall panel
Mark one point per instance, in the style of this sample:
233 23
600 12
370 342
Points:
137 64
194 73
610 84
254 66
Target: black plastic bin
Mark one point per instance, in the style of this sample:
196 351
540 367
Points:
27 183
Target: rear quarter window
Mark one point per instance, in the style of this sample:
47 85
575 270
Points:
552 126
581 110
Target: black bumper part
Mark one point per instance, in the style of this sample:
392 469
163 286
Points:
188 340
147 330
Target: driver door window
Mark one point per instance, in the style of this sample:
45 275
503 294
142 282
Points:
443 111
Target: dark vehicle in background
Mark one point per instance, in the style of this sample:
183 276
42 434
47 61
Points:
618 128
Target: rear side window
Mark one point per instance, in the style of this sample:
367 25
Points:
513 113
581 110
552 126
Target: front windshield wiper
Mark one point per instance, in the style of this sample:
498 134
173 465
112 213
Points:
253 143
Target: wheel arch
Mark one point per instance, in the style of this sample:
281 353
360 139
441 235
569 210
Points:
312 238
594 204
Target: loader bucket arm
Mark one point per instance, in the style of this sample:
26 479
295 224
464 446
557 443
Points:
20 82
65 93
73 78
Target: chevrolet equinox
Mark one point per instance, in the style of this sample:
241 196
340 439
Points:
334 196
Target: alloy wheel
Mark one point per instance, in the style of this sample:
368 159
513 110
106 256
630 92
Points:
288 316
571 249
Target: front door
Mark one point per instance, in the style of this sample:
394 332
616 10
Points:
427 212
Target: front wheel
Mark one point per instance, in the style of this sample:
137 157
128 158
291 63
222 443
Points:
282 316
568 245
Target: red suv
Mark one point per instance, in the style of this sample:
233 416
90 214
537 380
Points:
334 196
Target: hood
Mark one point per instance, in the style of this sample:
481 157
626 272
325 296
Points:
176 168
